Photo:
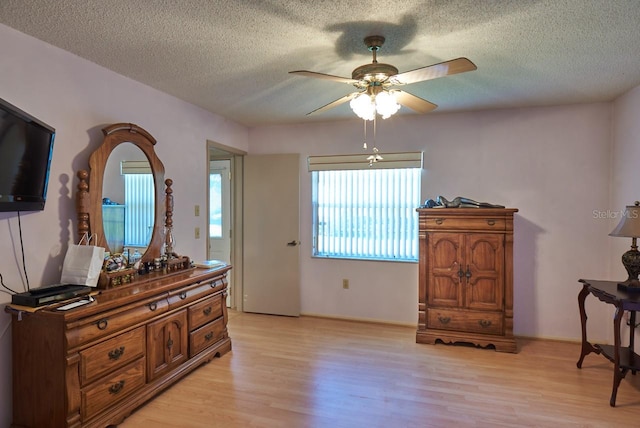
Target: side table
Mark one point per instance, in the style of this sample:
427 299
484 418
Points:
624 359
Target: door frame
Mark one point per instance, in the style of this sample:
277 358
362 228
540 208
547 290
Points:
217 151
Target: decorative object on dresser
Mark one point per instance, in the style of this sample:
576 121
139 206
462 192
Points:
629 227
146 327
465 279
457 202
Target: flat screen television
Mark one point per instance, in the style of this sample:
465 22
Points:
26 147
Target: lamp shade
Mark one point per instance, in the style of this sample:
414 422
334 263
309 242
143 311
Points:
629 225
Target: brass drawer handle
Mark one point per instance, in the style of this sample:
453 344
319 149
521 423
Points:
491 222
153 306
116 353
116 387
444 320
208 336
484 323
183 295
207 311
102 324
439 220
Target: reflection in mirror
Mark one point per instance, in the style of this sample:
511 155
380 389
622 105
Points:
128 200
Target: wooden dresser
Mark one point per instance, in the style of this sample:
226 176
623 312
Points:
465 290
91 366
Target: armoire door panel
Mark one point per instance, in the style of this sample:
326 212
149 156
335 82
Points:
484 294
444 292
445 255
485 273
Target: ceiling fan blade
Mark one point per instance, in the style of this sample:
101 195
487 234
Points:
414 103
335 103
323 76
447 68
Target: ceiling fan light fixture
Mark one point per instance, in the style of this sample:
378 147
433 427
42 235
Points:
363 106
386 104
366 106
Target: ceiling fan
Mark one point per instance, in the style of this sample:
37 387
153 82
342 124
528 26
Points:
376 81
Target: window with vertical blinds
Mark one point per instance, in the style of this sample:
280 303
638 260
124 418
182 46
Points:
363 212
139 200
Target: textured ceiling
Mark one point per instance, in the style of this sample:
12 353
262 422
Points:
232 57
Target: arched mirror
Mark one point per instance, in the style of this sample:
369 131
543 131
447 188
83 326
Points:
125 148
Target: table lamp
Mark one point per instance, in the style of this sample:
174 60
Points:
629 227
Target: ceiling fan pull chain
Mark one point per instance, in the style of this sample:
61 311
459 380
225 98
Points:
374 158
375 121
364 145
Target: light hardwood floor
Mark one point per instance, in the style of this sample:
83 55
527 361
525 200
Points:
311 372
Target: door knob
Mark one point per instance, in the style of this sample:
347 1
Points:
293 243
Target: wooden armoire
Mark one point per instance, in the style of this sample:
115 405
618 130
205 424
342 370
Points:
465 292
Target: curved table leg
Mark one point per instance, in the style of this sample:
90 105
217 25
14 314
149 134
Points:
618 373
587 348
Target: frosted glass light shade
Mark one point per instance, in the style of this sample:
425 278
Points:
363 106
384 103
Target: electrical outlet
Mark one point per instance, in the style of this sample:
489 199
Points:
197 233
197 210
345 284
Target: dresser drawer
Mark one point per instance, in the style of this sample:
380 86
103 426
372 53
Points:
469 321
464 223
194 292
206 336
111 354
113 388
205 311
110 322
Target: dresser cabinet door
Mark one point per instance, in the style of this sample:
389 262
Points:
167 343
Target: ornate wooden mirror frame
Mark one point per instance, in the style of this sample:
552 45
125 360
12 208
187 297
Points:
89 202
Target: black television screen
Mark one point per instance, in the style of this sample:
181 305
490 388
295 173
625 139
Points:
26 146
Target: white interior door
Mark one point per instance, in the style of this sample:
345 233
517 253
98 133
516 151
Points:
271 282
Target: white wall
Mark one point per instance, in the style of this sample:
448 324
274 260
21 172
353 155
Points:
551 163
78 98
625 177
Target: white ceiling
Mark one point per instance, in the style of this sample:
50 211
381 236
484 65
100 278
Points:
232 57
